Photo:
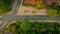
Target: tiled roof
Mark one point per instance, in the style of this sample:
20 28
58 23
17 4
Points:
30 1
49 2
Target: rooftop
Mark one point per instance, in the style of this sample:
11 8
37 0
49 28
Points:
30 1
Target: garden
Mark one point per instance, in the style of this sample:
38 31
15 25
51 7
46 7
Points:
27 27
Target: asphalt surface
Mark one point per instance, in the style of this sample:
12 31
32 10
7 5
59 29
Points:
8 18
16 7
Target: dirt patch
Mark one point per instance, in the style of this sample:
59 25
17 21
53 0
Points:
30 9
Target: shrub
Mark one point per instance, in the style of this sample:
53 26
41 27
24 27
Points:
25 11
33 12
52 12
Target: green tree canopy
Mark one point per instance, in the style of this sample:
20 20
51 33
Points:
5 7
9 1
52 12
25 25
25 28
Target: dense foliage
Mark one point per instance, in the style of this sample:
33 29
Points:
9 1
26 27
54 10
5 6
39 4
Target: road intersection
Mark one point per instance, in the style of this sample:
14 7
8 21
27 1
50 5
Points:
8 18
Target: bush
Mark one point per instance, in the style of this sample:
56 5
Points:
33 12
25 11
38 6
52 12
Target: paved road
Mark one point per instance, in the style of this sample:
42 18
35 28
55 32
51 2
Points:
7 18
16 7
10 18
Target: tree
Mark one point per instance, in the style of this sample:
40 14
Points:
12 27
23 32
46 25
58 11
56 26
36 25
9 1
52 12
25 25
54 6
25 28
39 5
18 23
48 32
33 32
4 7
25 11
33 12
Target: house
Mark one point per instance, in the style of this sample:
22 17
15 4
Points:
50 2
46 2
58 2
30 1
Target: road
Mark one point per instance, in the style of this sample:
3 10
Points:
8 18
16 7
11 18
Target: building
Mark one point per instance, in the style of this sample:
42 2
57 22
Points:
58 2
30 1
50 2
46 2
